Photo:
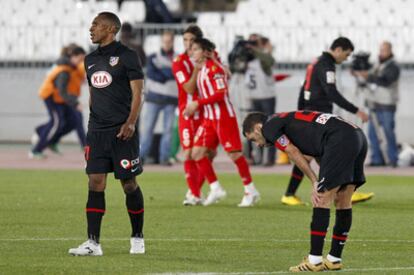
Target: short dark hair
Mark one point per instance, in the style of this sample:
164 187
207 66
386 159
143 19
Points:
112 18
194 30
205 44
77 51
343 43
71 50
251 120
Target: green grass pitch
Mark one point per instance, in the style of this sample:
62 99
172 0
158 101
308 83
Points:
42 216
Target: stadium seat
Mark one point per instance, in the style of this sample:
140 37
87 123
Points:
304 24
132 11
209 18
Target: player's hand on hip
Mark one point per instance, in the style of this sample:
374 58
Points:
127 131
363 116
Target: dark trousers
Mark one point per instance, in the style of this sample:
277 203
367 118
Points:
62 120
48 130
74 121
266 106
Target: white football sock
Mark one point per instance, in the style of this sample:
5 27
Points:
333 259
215 185
250 188
315 259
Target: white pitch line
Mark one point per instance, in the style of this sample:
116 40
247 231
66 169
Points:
197 240
369 269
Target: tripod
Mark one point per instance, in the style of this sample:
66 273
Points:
362 89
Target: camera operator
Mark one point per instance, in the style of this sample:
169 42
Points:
382 81
360 62
261 85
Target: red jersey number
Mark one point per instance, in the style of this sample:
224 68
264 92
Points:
306 116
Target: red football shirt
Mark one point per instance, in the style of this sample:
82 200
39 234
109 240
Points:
182 68
211 81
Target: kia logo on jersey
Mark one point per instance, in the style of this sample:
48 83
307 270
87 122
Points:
101 79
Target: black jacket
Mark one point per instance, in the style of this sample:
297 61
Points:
319 91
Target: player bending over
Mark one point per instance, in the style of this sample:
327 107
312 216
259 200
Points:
341 148
319 93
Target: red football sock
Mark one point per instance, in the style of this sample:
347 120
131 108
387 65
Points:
244 170
204 165
192 175
200 180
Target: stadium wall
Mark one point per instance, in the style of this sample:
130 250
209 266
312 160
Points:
21 109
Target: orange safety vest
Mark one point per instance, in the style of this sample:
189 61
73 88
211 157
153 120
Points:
78 77
48 88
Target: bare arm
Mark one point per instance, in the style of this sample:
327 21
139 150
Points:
309 158
128 128
301 161
191 85
136 87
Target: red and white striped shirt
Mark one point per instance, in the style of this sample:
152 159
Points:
183 68
213 92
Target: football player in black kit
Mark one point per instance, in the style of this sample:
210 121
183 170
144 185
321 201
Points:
115 80
340 148
319 93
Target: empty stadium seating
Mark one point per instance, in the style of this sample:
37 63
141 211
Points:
300 29
36 29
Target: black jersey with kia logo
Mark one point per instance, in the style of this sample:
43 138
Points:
109 70
307 130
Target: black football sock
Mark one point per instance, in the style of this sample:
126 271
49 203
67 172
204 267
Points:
319 226
342 226
295 180
95 209
135 205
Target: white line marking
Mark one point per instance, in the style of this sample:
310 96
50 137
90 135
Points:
234 240
287 272
196 240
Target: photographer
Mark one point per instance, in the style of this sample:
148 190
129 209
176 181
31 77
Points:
382 81
260 84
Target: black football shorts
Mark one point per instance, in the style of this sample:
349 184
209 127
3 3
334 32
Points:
342 161
105 153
